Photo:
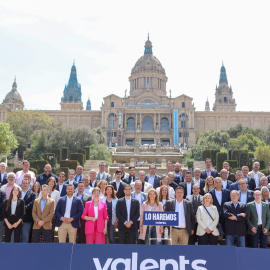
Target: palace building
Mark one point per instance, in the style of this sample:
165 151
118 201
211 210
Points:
149 114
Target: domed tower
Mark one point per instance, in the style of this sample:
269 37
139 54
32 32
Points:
224 101
148 74
13 99
72 95
88 105
207 106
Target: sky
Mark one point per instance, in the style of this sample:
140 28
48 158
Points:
41 39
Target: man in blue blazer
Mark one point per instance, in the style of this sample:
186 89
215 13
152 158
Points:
61 186
153 178
220 196
225 182
208 171
68 212
3 174
235 220
246 195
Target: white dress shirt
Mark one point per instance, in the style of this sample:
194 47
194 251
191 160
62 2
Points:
257 179
179 207
68 207
224 184
128 204
259 212
101 175
188 188
117 185
23 194
219 196
96 211
196 181
60 188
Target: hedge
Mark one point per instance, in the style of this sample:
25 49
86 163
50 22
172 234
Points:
57 152
233 163
39 165
82 151
71 164
206 154
51 158
262 164
230 154
220 158
213 156
244 159
64 153
87 152
79 157
61 169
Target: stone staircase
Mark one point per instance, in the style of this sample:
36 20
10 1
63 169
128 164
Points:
89 165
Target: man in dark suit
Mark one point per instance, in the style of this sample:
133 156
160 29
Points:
61 186
2 202
131 178
251 181
185 228
93 181
258 220
118 185
208 171
187 186
235 186
29 198
71 180
79 176
220 196
68 212
153 178
127 212
196 200
225 182
102 174
235 220
84 198
3 174
246 195
197 180
230 176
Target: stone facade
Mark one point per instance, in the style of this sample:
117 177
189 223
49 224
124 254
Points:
148 114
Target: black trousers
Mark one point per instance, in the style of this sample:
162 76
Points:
194 237
207 239
17 234
127 233
46 234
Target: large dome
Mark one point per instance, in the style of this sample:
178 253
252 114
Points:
148 62
13 95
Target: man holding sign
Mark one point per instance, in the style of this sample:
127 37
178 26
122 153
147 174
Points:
185 228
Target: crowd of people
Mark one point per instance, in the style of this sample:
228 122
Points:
91 208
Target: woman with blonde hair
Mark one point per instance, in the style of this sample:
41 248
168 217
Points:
207 218
163 195
101 185
209 184
146 232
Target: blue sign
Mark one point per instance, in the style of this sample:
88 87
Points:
175 126
160 218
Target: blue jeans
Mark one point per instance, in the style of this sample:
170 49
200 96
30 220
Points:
2 229
259 237
151 233
110 229
26 229
240 240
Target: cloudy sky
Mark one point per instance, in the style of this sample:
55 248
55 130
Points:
40 40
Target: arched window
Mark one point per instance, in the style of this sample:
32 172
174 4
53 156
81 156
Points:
147 123
112 104
225 100
183 105
164 124
130 123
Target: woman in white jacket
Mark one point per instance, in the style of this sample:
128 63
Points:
207 218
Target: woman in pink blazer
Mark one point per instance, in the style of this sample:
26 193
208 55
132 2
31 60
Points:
151 204
95 214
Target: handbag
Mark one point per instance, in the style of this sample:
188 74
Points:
219 226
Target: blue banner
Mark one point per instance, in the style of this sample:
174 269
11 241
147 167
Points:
160 218
175 126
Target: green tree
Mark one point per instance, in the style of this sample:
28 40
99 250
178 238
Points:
262 152
246 142
100 152
8 140
266 136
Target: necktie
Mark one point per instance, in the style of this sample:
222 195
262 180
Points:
196 202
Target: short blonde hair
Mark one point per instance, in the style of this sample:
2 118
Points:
207 195
96 189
